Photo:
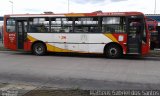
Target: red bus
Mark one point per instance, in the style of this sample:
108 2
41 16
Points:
152 24
111 33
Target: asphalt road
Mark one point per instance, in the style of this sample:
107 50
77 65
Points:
80 71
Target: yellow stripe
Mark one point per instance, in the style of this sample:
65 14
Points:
31 38
56 49
49 47
53 48
110 36
74 14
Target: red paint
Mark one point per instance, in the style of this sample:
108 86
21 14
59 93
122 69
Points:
27 45
144 49
10 38
122 43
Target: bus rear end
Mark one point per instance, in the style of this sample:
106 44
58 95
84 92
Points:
137 35
9 30
15 33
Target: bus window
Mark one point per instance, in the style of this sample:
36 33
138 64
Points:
61 25
87 24
10 25
113 25
39 25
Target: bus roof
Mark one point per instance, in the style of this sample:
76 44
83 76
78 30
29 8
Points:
77 14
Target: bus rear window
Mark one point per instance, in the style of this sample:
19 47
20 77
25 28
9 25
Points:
10 25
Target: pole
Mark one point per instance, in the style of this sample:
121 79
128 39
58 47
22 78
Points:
68 6
155 7
12 5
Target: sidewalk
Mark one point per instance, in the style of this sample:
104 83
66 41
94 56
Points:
154 53
2 47
29 90
15 89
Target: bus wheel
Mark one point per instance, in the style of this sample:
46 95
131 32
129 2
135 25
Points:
39 49
113 51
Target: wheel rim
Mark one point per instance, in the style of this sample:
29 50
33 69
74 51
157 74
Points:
113 52
39 49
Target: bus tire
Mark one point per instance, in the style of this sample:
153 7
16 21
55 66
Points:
113 51
39 49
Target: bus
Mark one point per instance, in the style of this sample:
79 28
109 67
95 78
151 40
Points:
152 24
154 36
113 34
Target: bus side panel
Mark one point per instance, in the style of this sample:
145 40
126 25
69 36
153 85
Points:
122 40
10 40
145 49
83 43
146 46
30 40
5 35
27 45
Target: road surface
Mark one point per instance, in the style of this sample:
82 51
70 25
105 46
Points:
80 71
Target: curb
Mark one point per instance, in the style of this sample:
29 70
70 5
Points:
154 53
7 89
4 49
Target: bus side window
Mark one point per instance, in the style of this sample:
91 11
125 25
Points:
113 25
10 25
94 29
42 28
86 24
39 25
61 25
32 29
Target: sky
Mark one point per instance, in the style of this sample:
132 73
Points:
77 6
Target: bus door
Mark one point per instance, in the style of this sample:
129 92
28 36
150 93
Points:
134 31
21 29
